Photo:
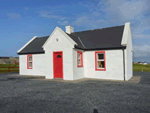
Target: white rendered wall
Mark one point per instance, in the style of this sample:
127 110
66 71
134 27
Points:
114 65
78 72
128 58
38 67
63 45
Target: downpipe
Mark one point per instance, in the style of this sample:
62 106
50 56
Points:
124 63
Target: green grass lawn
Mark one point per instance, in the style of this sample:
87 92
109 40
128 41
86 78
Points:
4 68
139 67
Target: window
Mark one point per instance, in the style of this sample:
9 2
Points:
79 59
29 62
100 62
58 56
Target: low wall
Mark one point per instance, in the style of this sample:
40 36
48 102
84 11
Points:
9 61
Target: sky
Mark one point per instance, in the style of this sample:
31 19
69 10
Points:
21 20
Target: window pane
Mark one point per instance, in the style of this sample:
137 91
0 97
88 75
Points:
100 64
58 56
100 56
30 58
79 61
30 64
79 55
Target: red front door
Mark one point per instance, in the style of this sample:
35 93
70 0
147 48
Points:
58 64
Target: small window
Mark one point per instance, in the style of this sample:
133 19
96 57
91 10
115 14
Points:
58 56
101 56
100 60
29 61
30 58
79 59
100 64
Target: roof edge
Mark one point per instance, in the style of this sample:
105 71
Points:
31 53
112 48
26 44
96 29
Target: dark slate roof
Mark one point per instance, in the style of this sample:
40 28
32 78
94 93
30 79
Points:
106 38
35 46
101 38
76 39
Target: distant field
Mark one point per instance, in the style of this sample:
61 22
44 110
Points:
4 68
140 67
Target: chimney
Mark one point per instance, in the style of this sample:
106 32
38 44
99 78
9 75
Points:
69 29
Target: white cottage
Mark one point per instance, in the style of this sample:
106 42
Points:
101 53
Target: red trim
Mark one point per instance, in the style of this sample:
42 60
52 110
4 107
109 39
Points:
53 63
96 61
28 62
81 65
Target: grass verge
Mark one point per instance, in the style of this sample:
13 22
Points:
141 67
4 68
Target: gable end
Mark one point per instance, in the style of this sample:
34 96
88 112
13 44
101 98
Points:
57 28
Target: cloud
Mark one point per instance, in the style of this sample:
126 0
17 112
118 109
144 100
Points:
143 36
133 11
125 9
96 13
119 11
63 23
141 51
89 23
48 14
14 15
81 20
62 18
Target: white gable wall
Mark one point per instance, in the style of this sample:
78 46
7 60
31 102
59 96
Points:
38 65
114 65
63 45
78 72
128 57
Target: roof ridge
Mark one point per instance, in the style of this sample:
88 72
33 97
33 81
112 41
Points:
97 29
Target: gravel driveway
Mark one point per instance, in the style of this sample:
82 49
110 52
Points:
92 96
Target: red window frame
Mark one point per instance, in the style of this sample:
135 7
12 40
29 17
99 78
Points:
81 65
28 62
104 69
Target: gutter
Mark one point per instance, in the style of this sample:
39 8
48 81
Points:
123 62
31 53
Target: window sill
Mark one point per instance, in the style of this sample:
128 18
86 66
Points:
100 69
29 68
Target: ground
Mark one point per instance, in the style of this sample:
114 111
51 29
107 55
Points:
47 96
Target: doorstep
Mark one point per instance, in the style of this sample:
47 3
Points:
135 79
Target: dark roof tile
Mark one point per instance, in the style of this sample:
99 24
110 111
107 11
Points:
76 39
35 45
101 38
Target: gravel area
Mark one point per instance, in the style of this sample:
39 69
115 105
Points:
91 96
